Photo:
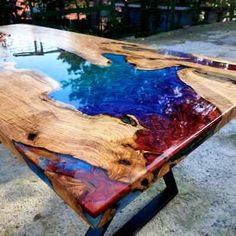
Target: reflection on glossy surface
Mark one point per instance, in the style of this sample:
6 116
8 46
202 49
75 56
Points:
186 57
203 61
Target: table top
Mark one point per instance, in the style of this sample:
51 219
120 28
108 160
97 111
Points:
99 120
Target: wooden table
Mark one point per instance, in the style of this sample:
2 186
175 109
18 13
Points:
100 120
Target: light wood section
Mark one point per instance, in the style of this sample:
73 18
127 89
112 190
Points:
218 88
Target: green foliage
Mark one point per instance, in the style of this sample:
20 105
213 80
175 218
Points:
73 60
7 11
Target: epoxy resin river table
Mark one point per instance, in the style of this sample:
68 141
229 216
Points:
100 120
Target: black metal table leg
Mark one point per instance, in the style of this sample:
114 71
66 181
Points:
98 231
147 213
152 208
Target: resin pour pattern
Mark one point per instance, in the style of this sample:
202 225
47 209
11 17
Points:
98 127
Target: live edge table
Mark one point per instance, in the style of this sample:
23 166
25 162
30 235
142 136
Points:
100 120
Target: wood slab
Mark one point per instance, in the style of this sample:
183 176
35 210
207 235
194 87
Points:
121 118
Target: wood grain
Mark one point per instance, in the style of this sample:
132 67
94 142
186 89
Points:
66 131
219 88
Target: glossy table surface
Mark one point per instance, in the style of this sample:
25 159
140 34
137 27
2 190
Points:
99 120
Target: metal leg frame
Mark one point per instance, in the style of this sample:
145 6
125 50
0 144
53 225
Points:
146 214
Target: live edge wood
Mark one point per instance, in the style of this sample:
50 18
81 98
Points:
29 117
